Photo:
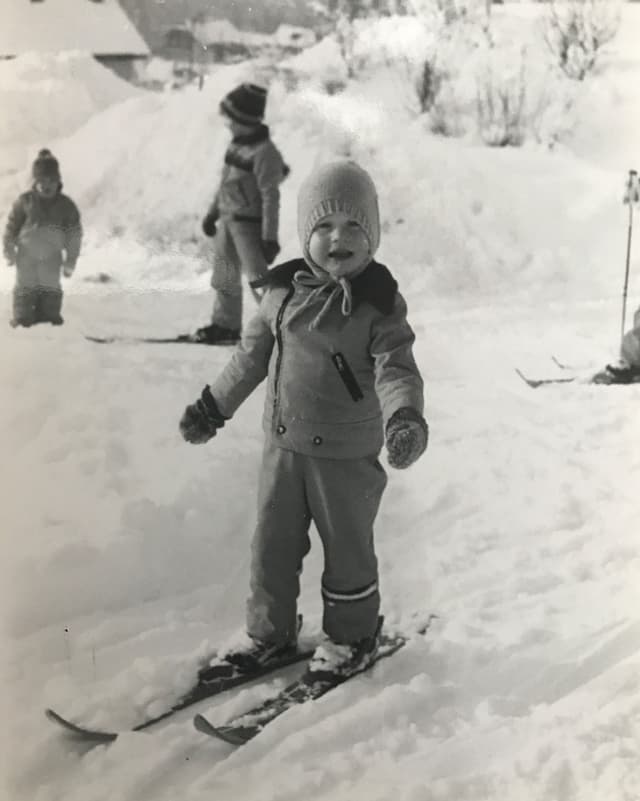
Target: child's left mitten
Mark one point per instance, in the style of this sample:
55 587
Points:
270 249
201 419
407 435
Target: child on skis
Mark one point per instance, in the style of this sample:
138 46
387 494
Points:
243 217
332 339
43 236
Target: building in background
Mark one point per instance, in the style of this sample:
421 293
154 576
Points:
155 18
98 27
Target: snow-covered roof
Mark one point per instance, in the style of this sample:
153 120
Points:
221 30
99 27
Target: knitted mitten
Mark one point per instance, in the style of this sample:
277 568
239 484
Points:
201 419
407 434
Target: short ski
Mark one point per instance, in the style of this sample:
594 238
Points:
179 339
211 682
540 382
602 379
311 686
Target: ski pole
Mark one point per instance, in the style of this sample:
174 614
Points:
631 196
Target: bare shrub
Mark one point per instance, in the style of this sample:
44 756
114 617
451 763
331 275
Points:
429 84
576 30
501 108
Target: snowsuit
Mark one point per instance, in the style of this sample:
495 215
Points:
246 207
330 392
630 349
41 235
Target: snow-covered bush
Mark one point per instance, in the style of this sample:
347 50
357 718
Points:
501 106
576 30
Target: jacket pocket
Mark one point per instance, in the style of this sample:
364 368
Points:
347 376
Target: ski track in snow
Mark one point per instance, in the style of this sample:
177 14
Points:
128 558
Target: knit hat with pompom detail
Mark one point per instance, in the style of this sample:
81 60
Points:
45 166
338 186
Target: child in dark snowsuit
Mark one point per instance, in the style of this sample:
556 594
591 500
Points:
332 339
42 237
243 216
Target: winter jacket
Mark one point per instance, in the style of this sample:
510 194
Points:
331 389
41 234
250 183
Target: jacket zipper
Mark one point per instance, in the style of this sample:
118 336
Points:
279 317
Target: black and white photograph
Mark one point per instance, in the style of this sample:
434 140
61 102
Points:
320 356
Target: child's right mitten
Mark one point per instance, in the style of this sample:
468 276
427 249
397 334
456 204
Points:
201 419
407 435
209 224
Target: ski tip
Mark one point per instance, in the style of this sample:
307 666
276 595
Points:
228 734
203 725
80 731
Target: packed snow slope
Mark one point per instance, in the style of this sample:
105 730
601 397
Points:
126 551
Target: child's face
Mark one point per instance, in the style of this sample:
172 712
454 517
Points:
47 186
339 245
237 128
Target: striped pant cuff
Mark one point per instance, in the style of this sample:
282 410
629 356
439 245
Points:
349 596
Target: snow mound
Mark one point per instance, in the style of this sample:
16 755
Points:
46 96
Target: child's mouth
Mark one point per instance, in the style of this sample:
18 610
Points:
340 255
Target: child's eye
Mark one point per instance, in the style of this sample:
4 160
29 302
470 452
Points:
322 226
353 224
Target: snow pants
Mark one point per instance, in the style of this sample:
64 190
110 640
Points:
237 250
342 497
37 305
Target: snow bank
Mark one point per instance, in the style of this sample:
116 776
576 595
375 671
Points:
457 217
47 96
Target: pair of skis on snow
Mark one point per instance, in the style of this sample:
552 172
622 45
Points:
217 679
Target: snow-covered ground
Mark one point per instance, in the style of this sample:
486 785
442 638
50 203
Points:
125 550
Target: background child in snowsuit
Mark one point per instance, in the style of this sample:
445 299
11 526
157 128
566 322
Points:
332 339
243 216
42 237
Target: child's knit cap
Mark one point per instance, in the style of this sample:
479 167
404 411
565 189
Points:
338 186
245 104
45 166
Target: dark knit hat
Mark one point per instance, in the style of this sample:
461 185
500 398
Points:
45 166
245 104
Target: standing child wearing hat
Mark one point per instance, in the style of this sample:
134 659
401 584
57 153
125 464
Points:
243 216
332 339
42 237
